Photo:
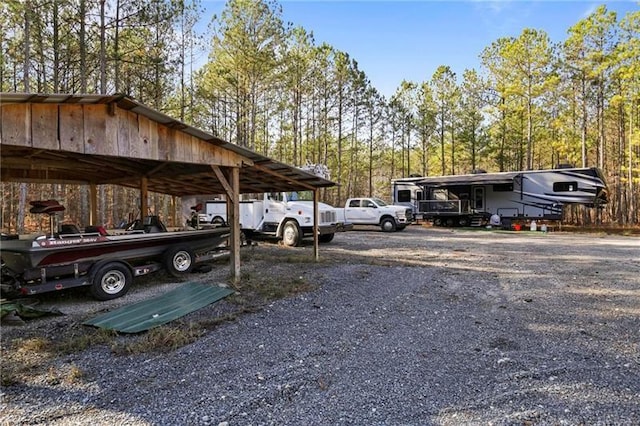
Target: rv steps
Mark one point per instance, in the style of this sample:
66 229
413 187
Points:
476 221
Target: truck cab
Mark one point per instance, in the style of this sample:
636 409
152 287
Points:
374 211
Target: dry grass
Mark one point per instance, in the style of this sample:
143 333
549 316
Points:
36 355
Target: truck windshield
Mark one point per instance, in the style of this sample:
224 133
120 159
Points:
300 196
379 202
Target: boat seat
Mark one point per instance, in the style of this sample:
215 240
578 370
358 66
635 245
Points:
94 229
69 229
45 206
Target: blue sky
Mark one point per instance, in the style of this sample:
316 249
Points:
396 40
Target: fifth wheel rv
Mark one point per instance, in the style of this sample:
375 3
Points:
471 199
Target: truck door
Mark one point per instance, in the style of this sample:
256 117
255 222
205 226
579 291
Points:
274 208
360 211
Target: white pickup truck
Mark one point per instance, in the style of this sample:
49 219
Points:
286 216
374 211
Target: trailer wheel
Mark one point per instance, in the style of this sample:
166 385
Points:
326 238
291 234
217 220
388 225
111 281
178 261
400 228
437 222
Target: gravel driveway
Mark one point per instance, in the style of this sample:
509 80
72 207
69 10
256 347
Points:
420 327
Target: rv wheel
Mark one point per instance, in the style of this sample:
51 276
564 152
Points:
291 234
178 261
111 281
388 225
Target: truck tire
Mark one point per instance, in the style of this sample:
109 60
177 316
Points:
111 280
291 234
388 224
326 238
178 261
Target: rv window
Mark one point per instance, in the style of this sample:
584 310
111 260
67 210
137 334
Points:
439 194
404 196
503 187
565 186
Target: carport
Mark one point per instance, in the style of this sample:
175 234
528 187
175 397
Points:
99 139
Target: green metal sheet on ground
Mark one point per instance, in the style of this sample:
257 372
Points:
160 310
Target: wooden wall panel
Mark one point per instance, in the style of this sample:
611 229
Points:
127 123
100 130
16 124
165 136
71 128
44 126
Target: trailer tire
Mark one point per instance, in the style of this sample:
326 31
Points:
111 280
291 235
178 261
388 224
400 228
326 238
217 220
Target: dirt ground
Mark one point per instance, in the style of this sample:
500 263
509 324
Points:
570 301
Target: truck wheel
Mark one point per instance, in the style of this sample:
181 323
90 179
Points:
326 238
463 221
111 281
388 225
217 220
291 234
178 261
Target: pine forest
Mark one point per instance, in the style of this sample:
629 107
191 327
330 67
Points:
254 80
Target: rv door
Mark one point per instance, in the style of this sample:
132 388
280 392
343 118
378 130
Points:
479 199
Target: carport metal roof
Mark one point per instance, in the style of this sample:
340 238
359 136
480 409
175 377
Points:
27 164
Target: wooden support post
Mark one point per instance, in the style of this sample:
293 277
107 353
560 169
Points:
93 205
234 222
316 228
143 197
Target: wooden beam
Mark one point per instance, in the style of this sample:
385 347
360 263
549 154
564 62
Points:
225 183
143 196
316 221
93 204
234 222
283 177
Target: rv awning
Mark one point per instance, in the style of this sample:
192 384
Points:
471 179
